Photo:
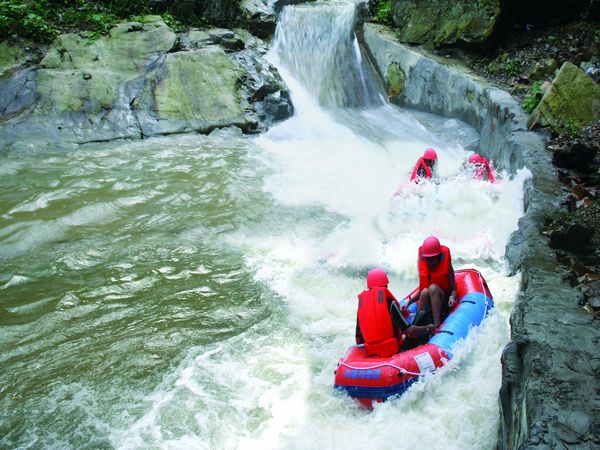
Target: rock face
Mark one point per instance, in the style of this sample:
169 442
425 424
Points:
141 80
258 17
573 100
444 22
395 78
549 396
577 156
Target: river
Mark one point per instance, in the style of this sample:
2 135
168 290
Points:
197 291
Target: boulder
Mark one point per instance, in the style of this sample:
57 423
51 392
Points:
543 69
17 93
445 22
140 80
226 39
258 17
395 79
573 237
188 99
573 100
577 156
592 68
10 56
268 99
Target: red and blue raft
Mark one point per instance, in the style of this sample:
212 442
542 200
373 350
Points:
375 379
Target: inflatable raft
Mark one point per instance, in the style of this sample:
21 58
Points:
375 379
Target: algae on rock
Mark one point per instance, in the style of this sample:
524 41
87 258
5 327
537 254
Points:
444 22
395 79
572 100
200 91
140 80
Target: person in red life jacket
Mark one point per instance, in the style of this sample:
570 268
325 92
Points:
481 168
424 166
437 290
380 324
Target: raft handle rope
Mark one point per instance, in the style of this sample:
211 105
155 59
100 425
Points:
402 370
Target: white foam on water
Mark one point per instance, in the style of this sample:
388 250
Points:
271 387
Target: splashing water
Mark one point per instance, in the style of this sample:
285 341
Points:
197 292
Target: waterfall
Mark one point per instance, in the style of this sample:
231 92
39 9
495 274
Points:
319 47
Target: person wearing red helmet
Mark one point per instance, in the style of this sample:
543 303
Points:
481 167
424 166
380 324
436 293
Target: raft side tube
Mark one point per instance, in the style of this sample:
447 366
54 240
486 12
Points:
376 393
470 312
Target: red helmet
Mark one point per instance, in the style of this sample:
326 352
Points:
377 278
476 159
431 247
430 154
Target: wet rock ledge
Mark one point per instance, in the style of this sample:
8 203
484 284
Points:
142 79
550 394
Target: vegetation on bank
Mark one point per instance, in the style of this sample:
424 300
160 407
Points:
43 20
381 11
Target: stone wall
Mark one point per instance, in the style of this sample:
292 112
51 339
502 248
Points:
549 396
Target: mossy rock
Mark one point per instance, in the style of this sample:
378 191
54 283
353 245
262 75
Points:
543 68
10 56
83 74
200 89
127 48
65 91
445 22
572 101
395 79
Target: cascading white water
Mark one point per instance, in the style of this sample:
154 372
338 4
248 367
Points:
352 165
337 177
197 292
322 52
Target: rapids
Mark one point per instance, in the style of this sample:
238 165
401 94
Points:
197 291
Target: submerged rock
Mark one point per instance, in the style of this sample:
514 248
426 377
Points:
572 101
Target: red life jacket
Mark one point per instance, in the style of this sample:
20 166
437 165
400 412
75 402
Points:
439 275
375 322
415 173
484 171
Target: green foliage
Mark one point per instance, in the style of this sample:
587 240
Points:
170 20
383 12
27 19
42 20
533 97
572 126
493 68
510 67
38 28
513 66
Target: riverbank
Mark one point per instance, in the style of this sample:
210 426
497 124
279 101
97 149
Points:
137 81
527 57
